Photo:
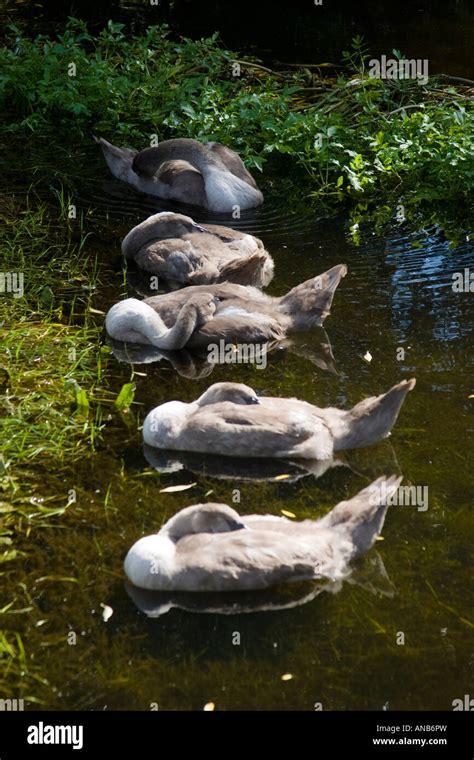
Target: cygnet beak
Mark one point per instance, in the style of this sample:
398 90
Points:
254 400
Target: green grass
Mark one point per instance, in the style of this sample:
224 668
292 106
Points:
53 386
51 360
54 402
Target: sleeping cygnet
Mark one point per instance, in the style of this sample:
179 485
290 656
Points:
209 175
182 252
240 314
231 420
210 547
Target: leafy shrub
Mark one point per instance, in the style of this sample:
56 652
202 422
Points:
361 138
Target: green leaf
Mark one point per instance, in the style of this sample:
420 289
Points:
125 398
82 402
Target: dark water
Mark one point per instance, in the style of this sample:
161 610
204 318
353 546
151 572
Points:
340 647
439 31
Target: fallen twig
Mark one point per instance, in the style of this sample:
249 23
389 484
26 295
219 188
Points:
256 66
457 79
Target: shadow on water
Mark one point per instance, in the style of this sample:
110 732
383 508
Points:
397 302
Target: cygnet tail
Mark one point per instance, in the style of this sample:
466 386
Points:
309 303
119 160
225 191
372 419
360 519
256 270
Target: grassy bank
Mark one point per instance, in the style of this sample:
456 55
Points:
54 403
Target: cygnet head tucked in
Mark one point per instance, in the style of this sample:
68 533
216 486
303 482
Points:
236 393
204 518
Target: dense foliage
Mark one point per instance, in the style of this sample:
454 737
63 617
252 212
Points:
349 136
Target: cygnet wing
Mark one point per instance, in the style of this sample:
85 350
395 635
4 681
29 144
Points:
248 559
237 326
275 427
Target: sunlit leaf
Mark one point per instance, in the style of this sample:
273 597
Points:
125 397
176 489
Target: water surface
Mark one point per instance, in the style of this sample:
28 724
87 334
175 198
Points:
341 648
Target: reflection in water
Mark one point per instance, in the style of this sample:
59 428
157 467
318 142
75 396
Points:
275 217
156 603
421 283
367 463
237 468
315 346
185 363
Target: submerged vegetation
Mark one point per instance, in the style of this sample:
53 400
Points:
345 135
